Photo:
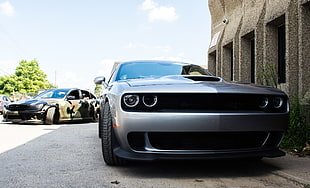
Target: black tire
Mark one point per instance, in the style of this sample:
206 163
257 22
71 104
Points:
108 139
50 118
100 122
96 115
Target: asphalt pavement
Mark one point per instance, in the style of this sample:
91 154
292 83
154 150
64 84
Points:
69 155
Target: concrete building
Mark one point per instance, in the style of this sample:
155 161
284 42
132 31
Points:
249 36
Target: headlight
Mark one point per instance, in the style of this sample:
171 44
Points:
131 100
277 102
149 100
37 106
263 102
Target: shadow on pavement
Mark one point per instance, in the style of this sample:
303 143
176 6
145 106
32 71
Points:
198 168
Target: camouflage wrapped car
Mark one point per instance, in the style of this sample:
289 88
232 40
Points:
53 106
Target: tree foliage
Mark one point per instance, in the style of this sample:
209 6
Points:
297 134
98 88
28 78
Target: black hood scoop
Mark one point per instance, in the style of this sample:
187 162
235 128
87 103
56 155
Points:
204 78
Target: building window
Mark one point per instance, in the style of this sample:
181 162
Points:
276 47
281 54
212 62
252 60
228 62
248 61
304 69
231 64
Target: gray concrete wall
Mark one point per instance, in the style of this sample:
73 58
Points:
260 19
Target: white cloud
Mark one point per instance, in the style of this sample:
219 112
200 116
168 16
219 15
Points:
163 13
160 13
7 9
148 5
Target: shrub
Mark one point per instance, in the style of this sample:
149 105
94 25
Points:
298 132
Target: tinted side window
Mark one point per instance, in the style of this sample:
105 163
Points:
85 94
194 70
92 96
75 93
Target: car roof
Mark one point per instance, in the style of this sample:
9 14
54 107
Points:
64 89
155 61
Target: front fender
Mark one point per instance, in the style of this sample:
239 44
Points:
46 107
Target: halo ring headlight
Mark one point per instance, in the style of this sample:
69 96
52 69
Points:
277 102
131 100
263 102
149 100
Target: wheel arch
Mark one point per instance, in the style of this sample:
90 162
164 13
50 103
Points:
49 106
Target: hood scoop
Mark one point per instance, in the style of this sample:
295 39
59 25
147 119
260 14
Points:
174 80
204 78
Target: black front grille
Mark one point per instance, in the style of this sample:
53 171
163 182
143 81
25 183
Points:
204 140
17 107
207 102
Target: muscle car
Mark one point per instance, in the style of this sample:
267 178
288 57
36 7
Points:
152 110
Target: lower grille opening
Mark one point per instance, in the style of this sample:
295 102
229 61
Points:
203 140
206 141
13 117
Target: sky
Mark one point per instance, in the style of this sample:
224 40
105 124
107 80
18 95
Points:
74 41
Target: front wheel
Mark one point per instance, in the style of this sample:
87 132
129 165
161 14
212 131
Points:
96 115
108 139
50 118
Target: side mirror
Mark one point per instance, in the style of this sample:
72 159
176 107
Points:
70 97
99 80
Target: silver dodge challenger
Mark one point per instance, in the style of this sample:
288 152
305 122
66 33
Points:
151 110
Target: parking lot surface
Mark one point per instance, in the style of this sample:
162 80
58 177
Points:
69 155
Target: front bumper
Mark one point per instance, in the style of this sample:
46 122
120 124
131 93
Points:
197 156
141 146
35 117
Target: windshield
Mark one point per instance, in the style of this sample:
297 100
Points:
138 70
54 93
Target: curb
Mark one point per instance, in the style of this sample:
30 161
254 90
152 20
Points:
292 178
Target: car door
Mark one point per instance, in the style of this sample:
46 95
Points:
73 106
92 104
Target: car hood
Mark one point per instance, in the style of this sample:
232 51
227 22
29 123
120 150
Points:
190 83
35 101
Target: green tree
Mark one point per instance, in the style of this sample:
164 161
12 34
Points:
28 78
98 88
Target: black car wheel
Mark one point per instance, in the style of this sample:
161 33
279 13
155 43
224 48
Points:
96 115
108 139
50 116
100 122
